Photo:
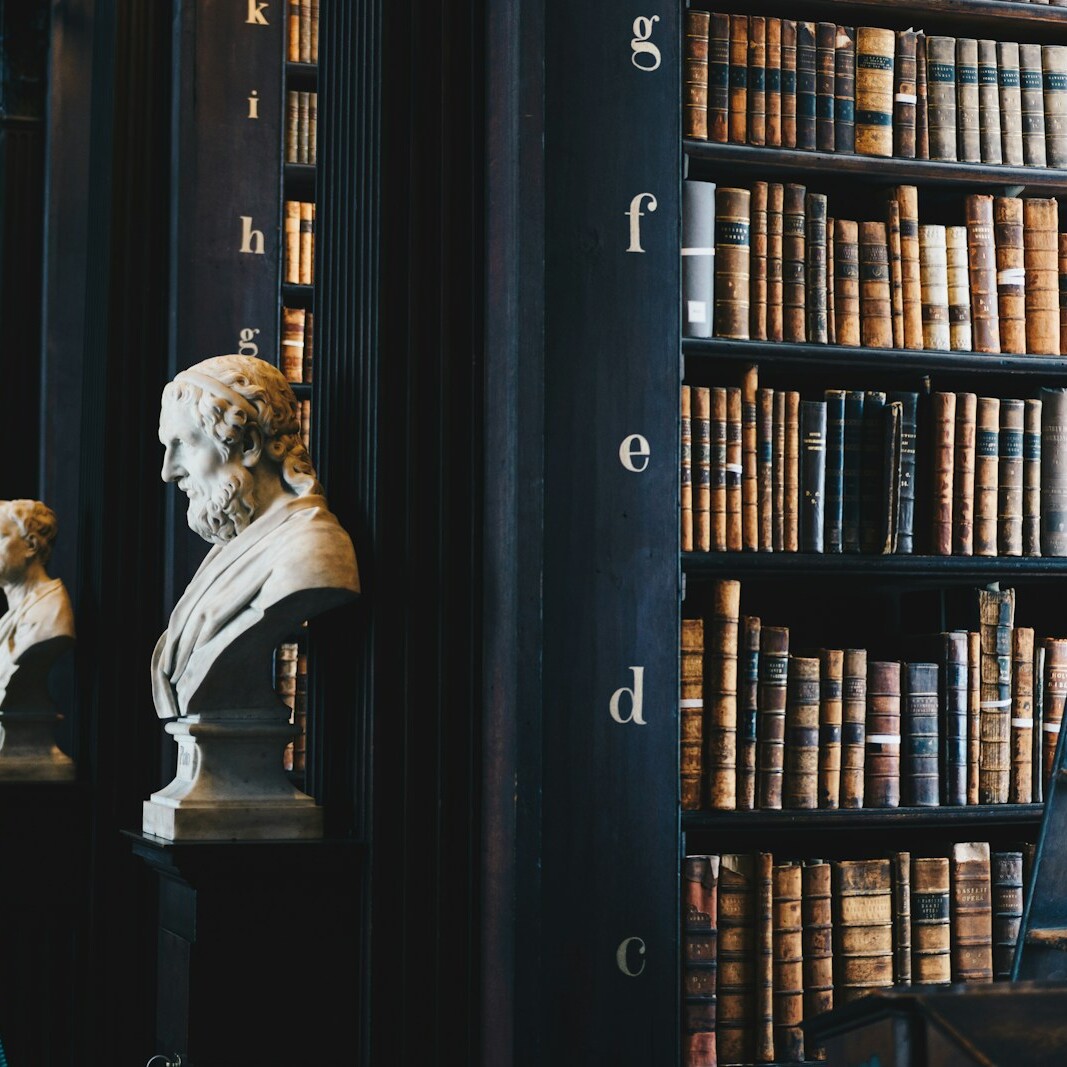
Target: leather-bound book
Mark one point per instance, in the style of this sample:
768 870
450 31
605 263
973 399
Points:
972 917
1020 785
896 275
765 458
831 323
1032 94
1062 241
701 395
968 142
876 319
1011 109
733 216
695 74
1041 260
943 444
922 101
748 712
691 713
815 288
1037 768
764 957
941 94
788 964
901 917
813 474
292 354
846 282
685 493
794 263
907 197
309 346
996 614
1053 471
931 961
954 717
989 103
959 289
735 1024
817 916
974 712
307 243
720 694
1032 478
791 474
700 882
963 475
853 726
863 928
875 49
891 458
749 460
845 89
831 679
778 472
718 468
825 66
904 95
738 113
872 472
773 677
1006 875
757 80
835 468
1011 273
757 326
718 77
920 785
291 233
775 224
852 487
1010 479
774 83
789 83
1052 705
933 259
1054 68
800 787
986 468
734 468
698 257
806 63
882 751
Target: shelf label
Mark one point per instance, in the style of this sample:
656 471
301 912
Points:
634 452
623 956
641 46
245 345
635 215
255 13
636 701
253 104
251 240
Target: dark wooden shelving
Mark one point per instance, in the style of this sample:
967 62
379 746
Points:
301 75
298 296
299 181
302 390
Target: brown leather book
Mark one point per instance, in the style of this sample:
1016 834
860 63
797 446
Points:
757 80
825 67
292 356
800 786
1011 275
901 917
985 311
986 467
307 243
691 713
875 49
733 216
996 613
972 917
943 443
789 83
896 276
815 282
700 878
747 712
749 459
773 678
794 263
778 472
863 928
738 113
817 943
291 231
933 260
774 83
734 468
920 780
907 197
968 141
765 458
806 58
758 264
788 968
1053 471
974 712
701 396
1063 292
775 223
959 289
1041 260
1010 479
685 493
718 468
1032 478
941 95
853 726
791 474
1054 76
922 110
1032 94
1006 875
293 40
720 694
1052 705
309 346
764 957
846 282
963 475
989 103
831 316
831 682
845 90
904 98
695 74
882 742
735 1025
1020 785
718 77
931 962
876 320
1011 109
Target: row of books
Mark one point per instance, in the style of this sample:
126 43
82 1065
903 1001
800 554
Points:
301 124
299 233
770 942
297 356
749 79
291 684
303 43
971 716
768 263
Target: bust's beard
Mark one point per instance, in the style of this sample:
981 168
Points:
220 510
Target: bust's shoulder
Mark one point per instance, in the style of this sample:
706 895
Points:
310 549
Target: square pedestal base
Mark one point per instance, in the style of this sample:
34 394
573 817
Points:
232 822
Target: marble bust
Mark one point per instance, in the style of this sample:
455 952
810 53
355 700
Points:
36 630
230 429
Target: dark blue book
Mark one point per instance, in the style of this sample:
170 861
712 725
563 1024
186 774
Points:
872 473
850 497
906 490
835 469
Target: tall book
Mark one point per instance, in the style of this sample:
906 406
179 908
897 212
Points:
801 755
846 282
700 884
815 281
1032 477
930 921
1039 721
891 460
734 468
698 257
959 289
685 492
718 468
863 928
825 68
774 82
943 444
791 474
813 474
896 272
788 963
1041 260
933 260
292 354
757 80
831 681
737 118
691 713
835 468
720 694
778 471
749 460
986 471
695 74
1054 77
875 49
718 77
757 326
1010 479
882 742
845 89
748 712
853 726
901 917
735 1025
1053 471
968 142
1020 785
1032 95
974 712
1011 273
985 310
996 613
852 470
872 472
876 321
1006 874
972 918
1011 109
904 98
941 90
963 475
1055 686
775 224
789 83
794 263
806 64
907 197
764 957
701 429
922 110
733 213
817 915
954 717
765 467
989 103
773 678
920 780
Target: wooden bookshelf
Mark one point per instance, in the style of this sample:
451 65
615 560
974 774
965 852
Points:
938 569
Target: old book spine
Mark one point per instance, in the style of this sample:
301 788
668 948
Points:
806 63
1052 704
778 471
791 474
954 717
1032 478
718 468
293 39
292 126
733 215
831 314
765 457
835 468
758 263
700 877
757 80
984 258
695 75
1031 91
307 243
1020 786
931 961
845 89
738 113
852 471
1011 274
959 289
907 198
875 49
933 261
794 263
720 694
800 788
698 257
1006 875
1053 471
882 743
876 320
313 128
853 726
831 671
749 460
872 472
773 677
989 103
974 712
944 428
788 964
963 475
774 82
891 475
941 91
691 712
815 283
1010 479
863 928
968 141
920 786
817 944
846 282
718 77
736 979
748 712
734 468
972 918
896 275
825 66
1011 109
291 231
813 474
986 467
701 399
685 492
309 347
904 98
922 109
775 223
764 957
1041 260
996 612
901 917
1038 759
789 83
292 354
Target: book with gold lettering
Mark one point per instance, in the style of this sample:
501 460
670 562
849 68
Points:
863 928
718 105
733 217
788 966
801 754
931 962
972 917
757 80
831 681
817 944
882 748
853 726
700 883
773 677
996 612
1006 876
735 1009
738 107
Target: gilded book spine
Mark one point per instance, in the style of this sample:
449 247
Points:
954 717
986 467
933 261
733 214
963 475
1011 273
825 66
695 75
774 82
757 80
863 928
944 425
805 84
720 691
921 785
738 113
907 198
718 77
794 263
931 962
1032 478
736 980
749 460
941 90
775 222
875 49
685 494
845 90
813 475
789 83
853 726
1011 109
1055 686
904 98
1020 786
734 468
1006 874
1031 91
882 755
1053 471
968 141
1010 479
876 321
989 103
774 674
847 281
831 678
748 712
817 915
691 712
959 289
1041 261
757 326
815 287
700 877
996 611
788 964
972 917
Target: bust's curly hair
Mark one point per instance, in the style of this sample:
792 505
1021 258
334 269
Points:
36 523
270 396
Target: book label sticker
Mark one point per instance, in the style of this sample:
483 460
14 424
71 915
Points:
644 54
636 701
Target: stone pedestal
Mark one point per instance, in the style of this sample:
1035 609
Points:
28 751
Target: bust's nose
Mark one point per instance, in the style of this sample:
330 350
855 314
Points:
171 470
